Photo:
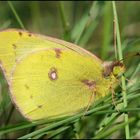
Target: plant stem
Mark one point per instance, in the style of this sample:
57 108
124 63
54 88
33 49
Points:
127 133
114 129
16 15
63 16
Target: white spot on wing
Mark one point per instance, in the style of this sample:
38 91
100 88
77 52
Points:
53 74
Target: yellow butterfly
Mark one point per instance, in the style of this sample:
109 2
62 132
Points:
51 78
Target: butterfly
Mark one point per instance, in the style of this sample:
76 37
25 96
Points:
52 78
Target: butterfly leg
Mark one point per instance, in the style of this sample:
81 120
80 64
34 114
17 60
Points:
113 95
92 97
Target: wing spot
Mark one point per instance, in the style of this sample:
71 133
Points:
89 83
53 73
39 106
29 35
31 97
14 46
26 86
20 33
58 52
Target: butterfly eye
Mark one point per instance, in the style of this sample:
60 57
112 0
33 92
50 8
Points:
118 71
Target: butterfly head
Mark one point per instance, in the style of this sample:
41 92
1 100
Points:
115 69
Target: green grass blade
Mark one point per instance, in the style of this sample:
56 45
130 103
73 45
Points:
36 15
16 15
106 30
120 55
53 133
64 20
114 129
80 26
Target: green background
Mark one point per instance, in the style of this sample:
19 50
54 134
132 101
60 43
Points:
90 25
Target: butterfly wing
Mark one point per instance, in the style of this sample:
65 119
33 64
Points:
45 84
35 58
16 43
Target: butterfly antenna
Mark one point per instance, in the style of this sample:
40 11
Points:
128 80
137 54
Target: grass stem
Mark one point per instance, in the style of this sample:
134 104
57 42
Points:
16 15
120 55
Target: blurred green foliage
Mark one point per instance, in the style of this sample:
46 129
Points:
89 24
